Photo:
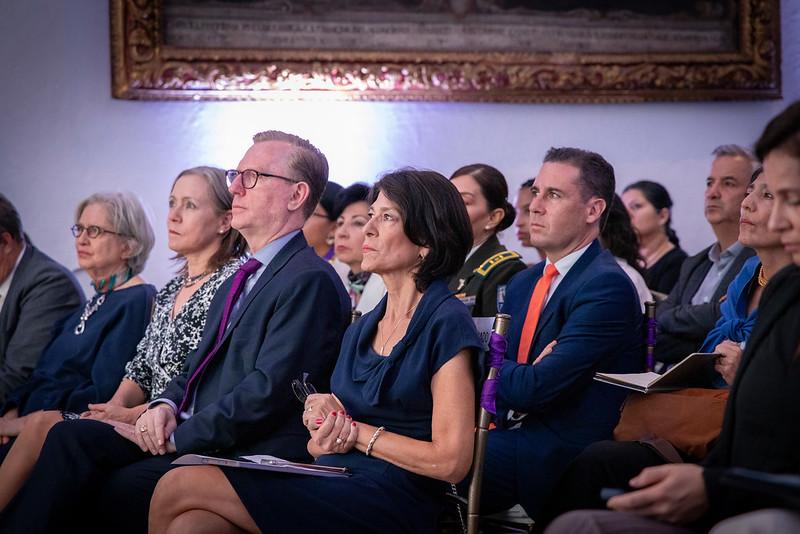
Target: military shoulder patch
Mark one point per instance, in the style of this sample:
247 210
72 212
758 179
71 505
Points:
494 261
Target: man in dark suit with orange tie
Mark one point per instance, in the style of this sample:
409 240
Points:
572 315
280 316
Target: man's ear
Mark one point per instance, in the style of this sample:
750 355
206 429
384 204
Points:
595 209
299 196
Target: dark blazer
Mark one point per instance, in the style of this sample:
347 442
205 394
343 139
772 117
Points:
682 326
596 317
760 428
481 281
291 322
41 292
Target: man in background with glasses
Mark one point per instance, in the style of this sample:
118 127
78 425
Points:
35 292
279 318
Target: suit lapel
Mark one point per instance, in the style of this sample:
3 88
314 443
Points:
295 245
564 287
697 275
18 281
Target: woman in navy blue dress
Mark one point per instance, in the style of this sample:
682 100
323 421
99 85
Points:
401 416
86 357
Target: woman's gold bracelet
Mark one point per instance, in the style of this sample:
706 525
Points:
373 440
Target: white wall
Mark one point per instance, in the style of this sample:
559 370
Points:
63 137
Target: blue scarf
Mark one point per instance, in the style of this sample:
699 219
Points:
734 323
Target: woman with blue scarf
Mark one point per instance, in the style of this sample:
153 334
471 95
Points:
740 307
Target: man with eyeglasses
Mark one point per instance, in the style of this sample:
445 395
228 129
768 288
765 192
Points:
35 292
279 318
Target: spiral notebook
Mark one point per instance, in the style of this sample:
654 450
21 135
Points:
264 462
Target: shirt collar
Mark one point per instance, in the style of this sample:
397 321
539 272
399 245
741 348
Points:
268 252
715 255
473 249
565 264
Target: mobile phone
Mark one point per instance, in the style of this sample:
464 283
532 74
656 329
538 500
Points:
607 493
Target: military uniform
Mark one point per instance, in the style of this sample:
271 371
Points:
481 282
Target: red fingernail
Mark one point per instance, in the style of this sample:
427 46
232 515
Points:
319 421
341 413
349 417
333 414
353 423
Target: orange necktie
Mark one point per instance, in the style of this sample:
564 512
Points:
534 311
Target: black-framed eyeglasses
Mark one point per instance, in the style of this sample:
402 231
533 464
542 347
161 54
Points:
302 388
92 231
251 176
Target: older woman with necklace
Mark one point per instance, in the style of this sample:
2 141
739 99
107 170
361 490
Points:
84 360
200 234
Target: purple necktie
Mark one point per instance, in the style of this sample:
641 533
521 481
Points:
244 272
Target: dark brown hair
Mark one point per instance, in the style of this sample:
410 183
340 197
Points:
434 216
493 188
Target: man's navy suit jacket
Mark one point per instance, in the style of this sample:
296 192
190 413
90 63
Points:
595 316
290 323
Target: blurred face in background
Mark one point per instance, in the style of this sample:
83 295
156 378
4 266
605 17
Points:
726 187
482 220
348 239
524 198
645 218
319 229
782 174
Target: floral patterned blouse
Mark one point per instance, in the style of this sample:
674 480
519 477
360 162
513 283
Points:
167 342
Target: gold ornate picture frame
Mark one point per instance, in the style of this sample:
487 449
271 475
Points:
146 65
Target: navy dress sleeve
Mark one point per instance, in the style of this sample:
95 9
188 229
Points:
76 370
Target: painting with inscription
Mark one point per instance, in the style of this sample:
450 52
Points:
461 49
615 26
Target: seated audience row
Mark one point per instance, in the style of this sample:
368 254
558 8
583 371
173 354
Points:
216 371
612 463
200 233
757 432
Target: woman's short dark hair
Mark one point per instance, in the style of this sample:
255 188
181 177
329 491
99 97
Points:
434 216
328 200
357 192
657 195
493 188
619 237
782 133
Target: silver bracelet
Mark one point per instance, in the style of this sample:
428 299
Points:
373 440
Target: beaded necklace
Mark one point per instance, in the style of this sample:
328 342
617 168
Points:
189 281
102 287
